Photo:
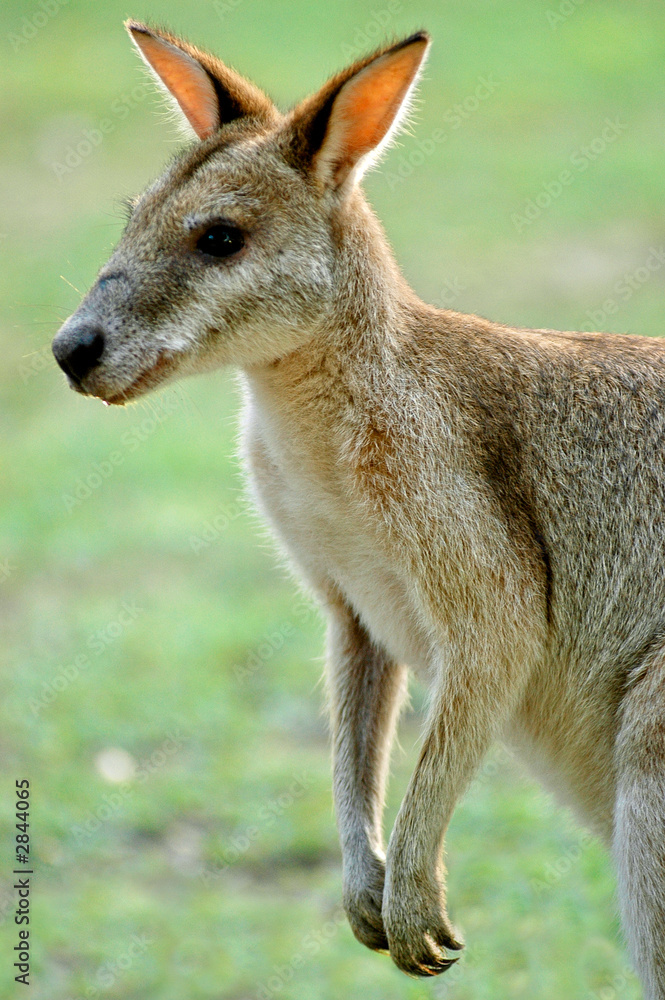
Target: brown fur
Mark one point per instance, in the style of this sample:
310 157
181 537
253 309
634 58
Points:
482 503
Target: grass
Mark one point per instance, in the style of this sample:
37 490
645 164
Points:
144 611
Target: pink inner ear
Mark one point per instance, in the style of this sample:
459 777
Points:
366 108
185 79
369 105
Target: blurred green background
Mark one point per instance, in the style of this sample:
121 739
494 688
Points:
160 675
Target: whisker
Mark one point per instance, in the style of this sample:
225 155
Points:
68 282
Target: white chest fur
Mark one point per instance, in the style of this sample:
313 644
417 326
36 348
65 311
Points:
328 535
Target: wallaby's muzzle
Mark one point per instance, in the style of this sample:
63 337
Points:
96 364
103 347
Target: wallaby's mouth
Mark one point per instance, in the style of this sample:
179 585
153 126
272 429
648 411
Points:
146 382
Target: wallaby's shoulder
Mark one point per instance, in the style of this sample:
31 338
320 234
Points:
485 370
435 335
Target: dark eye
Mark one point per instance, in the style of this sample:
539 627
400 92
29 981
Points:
220 241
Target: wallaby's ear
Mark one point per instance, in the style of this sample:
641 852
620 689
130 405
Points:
339 131
208 93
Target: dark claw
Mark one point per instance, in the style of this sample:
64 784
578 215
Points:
430 962
425 970
436 970
450 939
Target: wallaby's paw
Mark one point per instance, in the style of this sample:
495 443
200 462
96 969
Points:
363 899
366 923
418 940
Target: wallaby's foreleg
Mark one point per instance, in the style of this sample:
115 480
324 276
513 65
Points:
366 692
471 703
639 826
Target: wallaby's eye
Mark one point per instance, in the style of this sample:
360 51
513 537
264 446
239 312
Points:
220 241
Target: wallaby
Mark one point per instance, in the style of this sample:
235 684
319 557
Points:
482 504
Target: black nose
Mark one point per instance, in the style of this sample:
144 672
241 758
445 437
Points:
77 358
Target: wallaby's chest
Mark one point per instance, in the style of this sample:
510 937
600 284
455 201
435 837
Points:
332 538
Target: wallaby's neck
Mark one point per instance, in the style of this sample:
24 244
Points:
371 292
370 303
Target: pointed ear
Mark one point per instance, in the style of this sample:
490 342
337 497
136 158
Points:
207 92
339 131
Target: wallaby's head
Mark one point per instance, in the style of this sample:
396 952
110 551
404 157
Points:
239 252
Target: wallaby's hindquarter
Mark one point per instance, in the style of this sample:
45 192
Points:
480 503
